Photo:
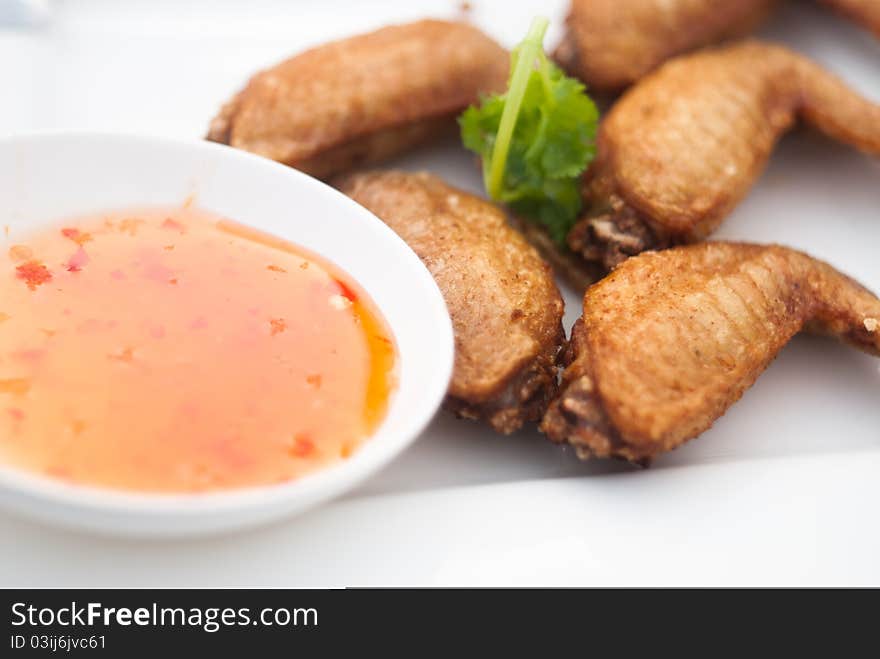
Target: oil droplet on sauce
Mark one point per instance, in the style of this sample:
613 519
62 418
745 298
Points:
168 350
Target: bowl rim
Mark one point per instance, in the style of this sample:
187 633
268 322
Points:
322 484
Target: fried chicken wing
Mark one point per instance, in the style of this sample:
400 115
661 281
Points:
864 12
610 44
506 309
363 99
684 145
671 339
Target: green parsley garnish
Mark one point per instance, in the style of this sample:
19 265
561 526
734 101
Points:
536 139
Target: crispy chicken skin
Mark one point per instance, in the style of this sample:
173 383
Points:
363 99
506 309
864 12
609 44
683 146
671 339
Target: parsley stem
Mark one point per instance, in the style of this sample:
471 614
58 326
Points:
526 54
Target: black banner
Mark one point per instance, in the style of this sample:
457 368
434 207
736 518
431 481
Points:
131 623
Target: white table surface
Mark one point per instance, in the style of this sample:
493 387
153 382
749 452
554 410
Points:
782 490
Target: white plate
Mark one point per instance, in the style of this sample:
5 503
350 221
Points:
782 490
47 178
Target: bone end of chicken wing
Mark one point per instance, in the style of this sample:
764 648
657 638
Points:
669 340
363 99
682 147
506 309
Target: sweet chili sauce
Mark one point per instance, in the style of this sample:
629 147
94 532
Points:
169 350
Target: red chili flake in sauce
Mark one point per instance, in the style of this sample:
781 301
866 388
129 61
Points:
278 325
16 413
173 224
302 446
77 236
346 291
78 260
33 273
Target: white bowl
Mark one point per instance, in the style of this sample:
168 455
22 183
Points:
45 178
